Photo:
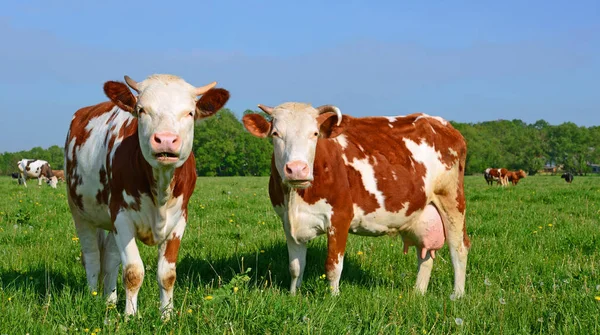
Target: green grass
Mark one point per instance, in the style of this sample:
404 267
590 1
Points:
524 276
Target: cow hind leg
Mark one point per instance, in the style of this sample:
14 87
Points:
90 250
111 260
425 265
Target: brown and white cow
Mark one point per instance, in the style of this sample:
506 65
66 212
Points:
368 176
499 175
36 168
59 174
515 176
130 170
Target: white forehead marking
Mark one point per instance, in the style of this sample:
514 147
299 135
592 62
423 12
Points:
391 119
166 93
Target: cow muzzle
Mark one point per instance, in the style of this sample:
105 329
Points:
165 147
297 174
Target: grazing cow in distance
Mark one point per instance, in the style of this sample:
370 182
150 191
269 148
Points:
130 171
498 175
59 174
36 168
515 176
367 176
568 177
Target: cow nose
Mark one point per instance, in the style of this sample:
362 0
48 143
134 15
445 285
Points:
296 170
165 142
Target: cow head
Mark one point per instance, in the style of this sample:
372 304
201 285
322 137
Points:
52 181
295 129
166 108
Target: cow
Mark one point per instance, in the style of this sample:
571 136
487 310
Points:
130 171
36 168
515 176
59 174
498 175
334 174
568 177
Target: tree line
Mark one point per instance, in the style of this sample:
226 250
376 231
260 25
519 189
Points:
224 148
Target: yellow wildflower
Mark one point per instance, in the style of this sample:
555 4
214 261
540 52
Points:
9 298
97 330
189 311
86 330
94 293
230 220
235 289
597 298
540 227
549 224
359 253
208 297
262 251
74 239
323 276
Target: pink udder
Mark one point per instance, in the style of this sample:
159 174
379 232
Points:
430 235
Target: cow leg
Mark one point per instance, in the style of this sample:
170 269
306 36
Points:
297 258
423 271
336 248
166 272
24 178
458 241
90 249
110 265
133 267
40 180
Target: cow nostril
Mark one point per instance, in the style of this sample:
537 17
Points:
288 169
157 139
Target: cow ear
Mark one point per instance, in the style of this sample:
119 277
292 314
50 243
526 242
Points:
257 125
211 102
120 95
328 125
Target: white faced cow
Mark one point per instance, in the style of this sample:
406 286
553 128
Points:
36 168
368 176
130 170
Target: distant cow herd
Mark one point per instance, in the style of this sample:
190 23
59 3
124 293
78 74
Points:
130 173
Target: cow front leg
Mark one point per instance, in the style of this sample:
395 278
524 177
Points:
297 258
336 248
166 273
133 267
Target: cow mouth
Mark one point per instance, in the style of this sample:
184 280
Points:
166 157
299 183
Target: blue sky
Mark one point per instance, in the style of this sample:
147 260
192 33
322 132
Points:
467 61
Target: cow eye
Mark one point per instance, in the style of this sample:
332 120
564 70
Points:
141 110
275 134
316 133
191 114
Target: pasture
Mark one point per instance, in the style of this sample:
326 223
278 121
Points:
534 267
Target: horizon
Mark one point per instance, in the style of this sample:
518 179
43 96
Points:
466 62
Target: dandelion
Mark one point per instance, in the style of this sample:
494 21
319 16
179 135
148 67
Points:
189 311
596 297
232 214
262 251
549 224
323 276
502 301
540 227
400 296
487 282
263 222
20 200
535 231
86 330
458 321
230 220
9 299
74 239
94 293
97 330
208 297
359 253
235 289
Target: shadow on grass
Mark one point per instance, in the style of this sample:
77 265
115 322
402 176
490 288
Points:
269 268
41 280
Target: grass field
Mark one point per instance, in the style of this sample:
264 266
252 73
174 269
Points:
534 268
